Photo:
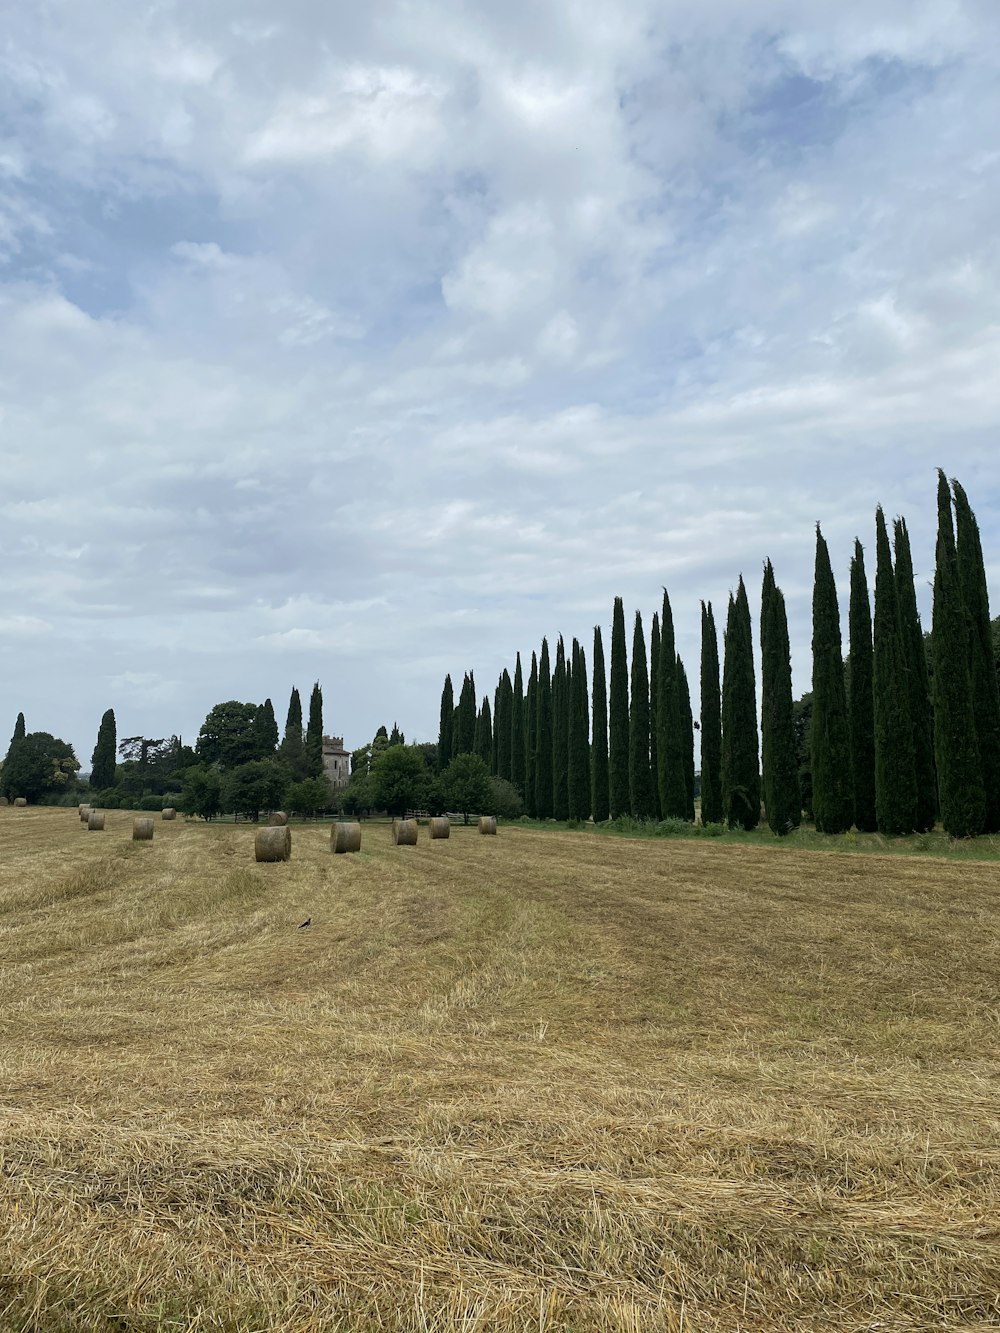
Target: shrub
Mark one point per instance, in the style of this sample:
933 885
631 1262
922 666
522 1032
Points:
506 799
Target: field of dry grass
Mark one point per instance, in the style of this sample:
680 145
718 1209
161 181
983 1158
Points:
539 1081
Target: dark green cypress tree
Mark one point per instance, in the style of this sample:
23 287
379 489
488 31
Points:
861 703
543 738
640 777
779 753
618 736
711 721
579 745
915 664
740 753
833 803
654 695
670 742
265 731
446 725
502 726
314 733
599 797
560 735
396 737
960 775
292 745
483 740
20 730
895 773
102 763
465 730
686 729
517 726
531 739
985 694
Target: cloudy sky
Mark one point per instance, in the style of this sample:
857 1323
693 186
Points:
363 343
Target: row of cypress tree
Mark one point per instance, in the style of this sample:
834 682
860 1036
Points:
893 744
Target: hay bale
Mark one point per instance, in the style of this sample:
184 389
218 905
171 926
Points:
4 801
85 813
440 827
83 806
273 843
169 812
277 819
20 802
142 829
487 824
404 832
95 821
345 837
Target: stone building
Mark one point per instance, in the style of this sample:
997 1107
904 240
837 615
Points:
336 762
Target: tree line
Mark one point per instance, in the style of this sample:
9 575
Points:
901 732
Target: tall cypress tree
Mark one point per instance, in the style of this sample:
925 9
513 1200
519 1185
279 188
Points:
618 736
599 798
740 754
711 721
543 738
531 739
861 704
895 772
640 777
985 694
517 722
654 695
670 742
102 763
446 725
502 726
918 685
686 728
960 774
560 735
265 731
292 745
464 739
483 742
782 795
579 747
833 803
314 733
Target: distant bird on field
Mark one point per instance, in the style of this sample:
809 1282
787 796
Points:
308 922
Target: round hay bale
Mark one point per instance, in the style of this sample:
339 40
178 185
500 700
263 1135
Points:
277 819
20 802
4 801
345 838
142 829
95 821
440 827
404 832
273 843
169 812
487 824
85 813
83 806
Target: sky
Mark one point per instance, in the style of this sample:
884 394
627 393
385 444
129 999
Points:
370 343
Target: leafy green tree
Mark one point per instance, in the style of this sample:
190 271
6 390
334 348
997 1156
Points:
147 763
465 784
518 770
959 764
599 799
543 738
505 800
398 780
560 735
833 802
740 761
484 733
579 746
446 726
982 662
643 804
314 734
618 742
265 732
895 770
918 684
861 700
309 797
670 747
38 764
711 721
253 787
227 736
464 737
782 799
686 728
201 793
102 763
